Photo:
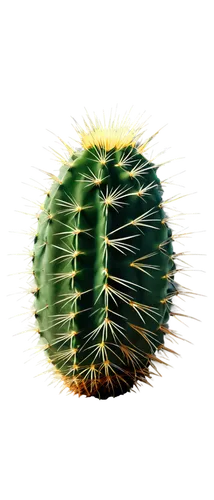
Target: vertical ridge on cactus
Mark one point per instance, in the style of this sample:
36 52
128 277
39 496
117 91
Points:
104 264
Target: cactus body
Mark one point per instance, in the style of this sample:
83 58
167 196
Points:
104 262
104 267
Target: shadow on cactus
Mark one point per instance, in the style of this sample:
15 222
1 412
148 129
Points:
104 264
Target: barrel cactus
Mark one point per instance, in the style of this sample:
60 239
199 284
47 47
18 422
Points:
104 265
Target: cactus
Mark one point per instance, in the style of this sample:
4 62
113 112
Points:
104 264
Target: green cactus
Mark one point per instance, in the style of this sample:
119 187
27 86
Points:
104 265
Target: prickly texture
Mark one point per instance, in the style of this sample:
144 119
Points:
104 269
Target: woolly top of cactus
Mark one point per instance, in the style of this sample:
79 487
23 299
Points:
116 134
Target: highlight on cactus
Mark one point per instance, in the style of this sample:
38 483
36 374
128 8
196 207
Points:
104 265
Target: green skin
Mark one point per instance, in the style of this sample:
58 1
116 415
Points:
53 253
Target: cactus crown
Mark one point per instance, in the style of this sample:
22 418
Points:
104 264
